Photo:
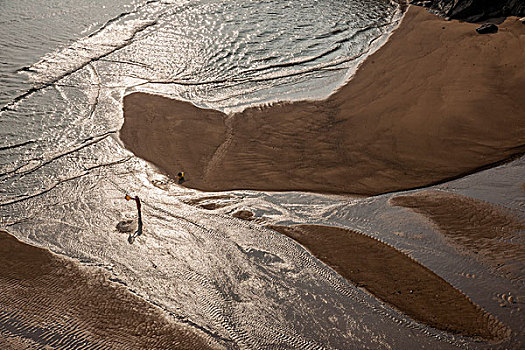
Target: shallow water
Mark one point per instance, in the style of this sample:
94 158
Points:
31 29
64 173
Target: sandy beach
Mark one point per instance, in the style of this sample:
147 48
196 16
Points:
437 101
293 228
50 301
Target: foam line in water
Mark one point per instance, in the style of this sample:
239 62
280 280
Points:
59 64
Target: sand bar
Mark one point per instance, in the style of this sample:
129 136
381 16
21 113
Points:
396 279
437 101
489 233
48 301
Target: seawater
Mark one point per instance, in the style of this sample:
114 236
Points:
222 54
65 67
32 29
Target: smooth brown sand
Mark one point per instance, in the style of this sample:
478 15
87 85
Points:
396 279
48 301
436 101
478 228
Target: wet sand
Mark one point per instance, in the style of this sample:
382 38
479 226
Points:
49 302
437 101
396 279
480 229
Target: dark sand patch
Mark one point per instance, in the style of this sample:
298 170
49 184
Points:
437 101
244 215
396 279
212 202
213 206
127 226
475 227
46 300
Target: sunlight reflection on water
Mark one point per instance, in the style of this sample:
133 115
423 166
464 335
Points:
64 173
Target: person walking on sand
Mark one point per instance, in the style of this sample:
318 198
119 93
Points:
131 237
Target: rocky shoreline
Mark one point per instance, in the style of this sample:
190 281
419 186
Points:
474 10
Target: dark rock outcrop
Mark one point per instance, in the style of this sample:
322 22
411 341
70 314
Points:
474 10
487 28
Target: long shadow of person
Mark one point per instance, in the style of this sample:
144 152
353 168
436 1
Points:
133 235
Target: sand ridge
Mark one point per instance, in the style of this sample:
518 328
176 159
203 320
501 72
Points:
435 102
396 279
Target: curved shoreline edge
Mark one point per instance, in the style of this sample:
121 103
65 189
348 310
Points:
397 279
434 102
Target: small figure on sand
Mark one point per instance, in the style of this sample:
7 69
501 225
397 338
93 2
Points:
132 236
180 177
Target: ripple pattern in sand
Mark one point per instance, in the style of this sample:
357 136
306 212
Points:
47 302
